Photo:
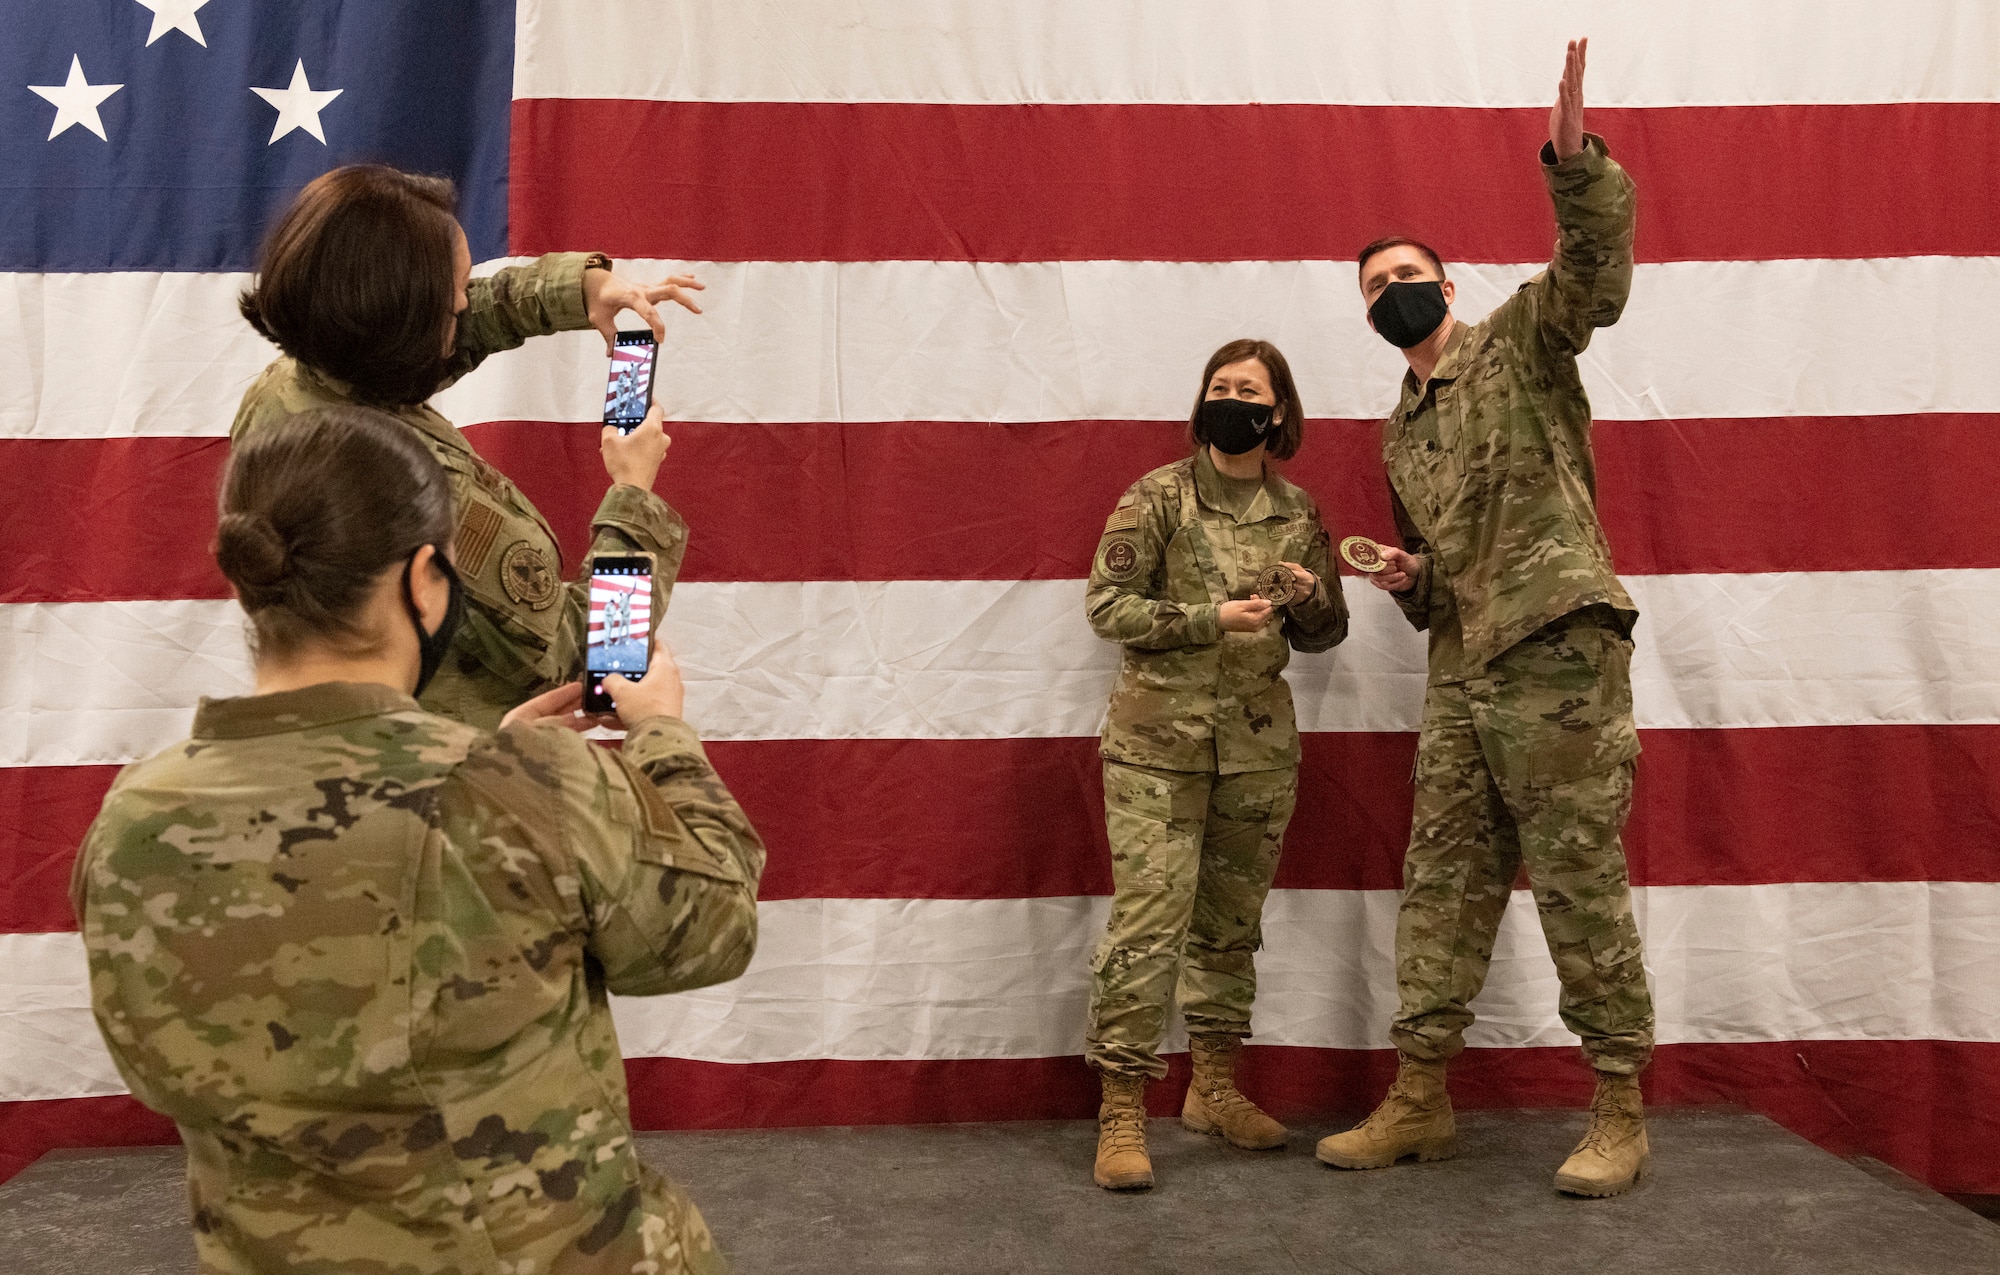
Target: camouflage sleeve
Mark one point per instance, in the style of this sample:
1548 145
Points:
668 863
1415 601
1590 277
1320 622
508 307
1130 567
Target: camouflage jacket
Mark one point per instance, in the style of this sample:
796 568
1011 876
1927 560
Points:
524 628
359 953
1489 462
1190 696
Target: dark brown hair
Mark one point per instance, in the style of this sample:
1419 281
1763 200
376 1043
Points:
357 281
1398 241
1285 437
312 510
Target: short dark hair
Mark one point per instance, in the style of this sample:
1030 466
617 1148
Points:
1398 241
1285 438
312 509
356 281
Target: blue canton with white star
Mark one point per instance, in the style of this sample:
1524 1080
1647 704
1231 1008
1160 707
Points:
223 109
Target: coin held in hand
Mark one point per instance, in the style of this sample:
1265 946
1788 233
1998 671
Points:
1276 584
1363 554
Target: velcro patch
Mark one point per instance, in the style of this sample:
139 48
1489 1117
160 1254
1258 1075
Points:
1119 558
478 527
1123 518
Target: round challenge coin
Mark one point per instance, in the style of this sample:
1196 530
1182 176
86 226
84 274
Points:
1277 584
1363 554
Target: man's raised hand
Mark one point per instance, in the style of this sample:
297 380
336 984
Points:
1566 117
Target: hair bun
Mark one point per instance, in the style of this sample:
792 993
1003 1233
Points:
250 551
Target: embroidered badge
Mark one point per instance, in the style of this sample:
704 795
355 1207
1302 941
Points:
1120 559
1123 518
527 577
472 544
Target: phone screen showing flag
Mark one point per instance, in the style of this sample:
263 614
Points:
621 624
628 388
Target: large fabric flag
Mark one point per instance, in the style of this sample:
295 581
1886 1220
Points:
964 263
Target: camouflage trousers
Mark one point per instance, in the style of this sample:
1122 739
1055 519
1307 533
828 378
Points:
1529 763
1192 857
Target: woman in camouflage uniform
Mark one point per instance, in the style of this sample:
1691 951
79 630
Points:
1210 572
360 952
365 284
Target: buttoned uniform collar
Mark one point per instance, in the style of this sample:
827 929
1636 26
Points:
248 716
1449 364
1208 489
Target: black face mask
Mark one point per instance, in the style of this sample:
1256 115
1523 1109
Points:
431 647
1234 426
1406 313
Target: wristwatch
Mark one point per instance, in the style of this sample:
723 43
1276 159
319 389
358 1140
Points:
597 261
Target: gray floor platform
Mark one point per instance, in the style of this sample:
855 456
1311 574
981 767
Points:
1729 1192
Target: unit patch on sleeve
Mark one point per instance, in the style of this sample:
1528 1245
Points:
1119 558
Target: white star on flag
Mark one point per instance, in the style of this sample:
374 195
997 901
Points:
175 15
299 105
76 100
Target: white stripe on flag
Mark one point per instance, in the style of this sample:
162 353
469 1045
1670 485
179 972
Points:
1389 52
1006 978
101 682
1052 341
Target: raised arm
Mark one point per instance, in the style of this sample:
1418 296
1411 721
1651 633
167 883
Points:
1590 276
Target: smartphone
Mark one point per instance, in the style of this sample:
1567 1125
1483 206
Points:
621 623
628 388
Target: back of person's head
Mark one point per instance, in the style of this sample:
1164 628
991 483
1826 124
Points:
312 511
358 282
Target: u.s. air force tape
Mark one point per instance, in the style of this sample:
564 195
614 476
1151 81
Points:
1363 554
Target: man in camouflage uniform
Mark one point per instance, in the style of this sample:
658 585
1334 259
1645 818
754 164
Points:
1201 755
1527 746
525 626
359 953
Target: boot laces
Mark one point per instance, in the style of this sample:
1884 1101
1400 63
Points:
1122 1130
1605 1112
1227 1098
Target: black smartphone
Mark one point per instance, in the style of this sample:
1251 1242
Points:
628 388
621 623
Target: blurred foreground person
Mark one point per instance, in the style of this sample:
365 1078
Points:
359 952
1527 748
1211 571
366 285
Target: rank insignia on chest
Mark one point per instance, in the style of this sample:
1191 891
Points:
527 577
1120 558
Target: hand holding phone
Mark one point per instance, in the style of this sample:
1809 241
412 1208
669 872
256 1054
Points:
628 386
621 624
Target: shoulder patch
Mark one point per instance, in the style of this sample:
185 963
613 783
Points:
1123 518
478 527
1119 558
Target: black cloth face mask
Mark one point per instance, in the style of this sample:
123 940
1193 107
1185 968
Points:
1234 426
1406 313
431 647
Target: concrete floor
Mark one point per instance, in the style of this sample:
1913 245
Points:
1729 1192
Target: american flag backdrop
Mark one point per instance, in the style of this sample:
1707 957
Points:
964 263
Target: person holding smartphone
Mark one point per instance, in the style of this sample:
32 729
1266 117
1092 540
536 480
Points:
365 286
359 952
1210 572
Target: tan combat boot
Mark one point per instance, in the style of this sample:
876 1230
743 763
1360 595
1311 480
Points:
1213 1104
1414 1119
1613 1153
1122 1164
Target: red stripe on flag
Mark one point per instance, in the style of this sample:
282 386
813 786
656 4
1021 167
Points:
920 500
829 181
1024 818
1926 1106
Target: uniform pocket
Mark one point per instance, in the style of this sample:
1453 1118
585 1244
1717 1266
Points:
1564 708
